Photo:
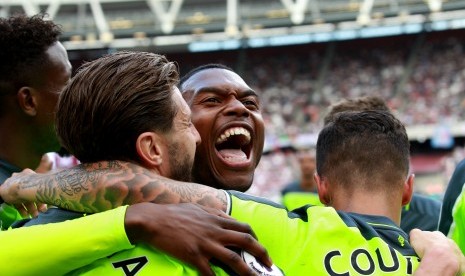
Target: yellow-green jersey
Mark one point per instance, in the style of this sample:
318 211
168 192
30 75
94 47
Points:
141 260
8 215
57 248
317 240
293 196
457 228
293 200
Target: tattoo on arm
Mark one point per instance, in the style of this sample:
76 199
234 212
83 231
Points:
105 185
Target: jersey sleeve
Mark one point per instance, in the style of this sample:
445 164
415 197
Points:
271 222
457 228
454 188
8 215
63 247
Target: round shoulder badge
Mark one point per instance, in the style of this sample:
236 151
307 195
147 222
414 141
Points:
260 268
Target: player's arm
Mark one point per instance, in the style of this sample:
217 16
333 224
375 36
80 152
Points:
105 185
62 247
75 243
439 254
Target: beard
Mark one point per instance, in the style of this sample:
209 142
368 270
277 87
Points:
180 164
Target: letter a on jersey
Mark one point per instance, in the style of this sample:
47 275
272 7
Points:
135 263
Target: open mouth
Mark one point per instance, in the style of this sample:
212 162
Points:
234 146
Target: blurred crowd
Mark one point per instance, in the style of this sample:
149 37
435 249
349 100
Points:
423 82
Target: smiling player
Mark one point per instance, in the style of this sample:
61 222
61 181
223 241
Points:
226 113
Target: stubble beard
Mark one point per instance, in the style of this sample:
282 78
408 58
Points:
180 164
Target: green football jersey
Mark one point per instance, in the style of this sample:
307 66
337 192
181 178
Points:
8 215
293 200
317 240
57 248
141 260
457 228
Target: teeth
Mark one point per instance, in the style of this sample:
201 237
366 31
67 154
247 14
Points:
233 131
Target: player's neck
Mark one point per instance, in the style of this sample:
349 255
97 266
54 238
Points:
16 146
378 204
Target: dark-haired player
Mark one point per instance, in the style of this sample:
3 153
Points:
377 242
34 68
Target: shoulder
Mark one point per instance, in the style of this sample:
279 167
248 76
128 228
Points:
291 187
422 213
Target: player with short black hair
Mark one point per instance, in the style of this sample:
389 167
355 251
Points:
380 245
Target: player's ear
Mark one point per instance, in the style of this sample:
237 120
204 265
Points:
149 149
27 101
408 189
323 190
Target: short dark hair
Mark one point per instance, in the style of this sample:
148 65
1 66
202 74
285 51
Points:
23 44
201 68
356 104
367 148
112 100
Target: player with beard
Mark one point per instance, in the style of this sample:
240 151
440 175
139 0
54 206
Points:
227 115
126 106
33 71
222 101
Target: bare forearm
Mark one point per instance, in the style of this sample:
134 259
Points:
106 185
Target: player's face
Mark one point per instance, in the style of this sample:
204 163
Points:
56 75
307 165
182 141
226 112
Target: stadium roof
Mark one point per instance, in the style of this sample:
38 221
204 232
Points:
214 25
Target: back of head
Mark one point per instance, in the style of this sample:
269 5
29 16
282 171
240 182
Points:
112 100
366 150
356 104
23 44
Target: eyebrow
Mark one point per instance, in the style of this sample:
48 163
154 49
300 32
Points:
208 89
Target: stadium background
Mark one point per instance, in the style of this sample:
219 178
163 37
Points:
301 55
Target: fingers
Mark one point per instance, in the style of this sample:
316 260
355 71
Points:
30 209
417 241
22 210
45 164
203 267
215 212
241 235
229 259
248 243
21 173
440 255
230 222
235 225
42 207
